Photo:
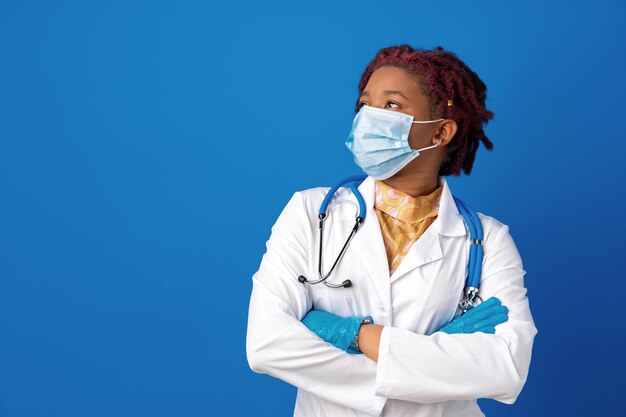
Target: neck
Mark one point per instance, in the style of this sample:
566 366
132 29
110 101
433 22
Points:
415 184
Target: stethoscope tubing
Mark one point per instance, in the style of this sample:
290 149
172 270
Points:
469 215
476 248
352 180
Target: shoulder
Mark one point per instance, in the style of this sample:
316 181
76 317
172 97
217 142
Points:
493 228
306 203
299 217
312 197
489 223
498 244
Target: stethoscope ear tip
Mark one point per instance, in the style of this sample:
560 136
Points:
347 283
302 279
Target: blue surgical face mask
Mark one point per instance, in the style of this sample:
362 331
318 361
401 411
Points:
379 141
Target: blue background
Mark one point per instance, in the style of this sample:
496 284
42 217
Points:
146 148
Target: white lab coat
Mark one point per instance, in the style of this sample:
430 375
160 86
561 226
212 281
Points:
420 372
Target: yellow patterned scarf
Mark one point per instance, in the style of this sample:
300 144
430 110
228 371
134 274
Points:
403 219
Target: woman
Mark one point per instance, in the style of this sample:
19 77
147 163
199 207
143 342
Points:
395 342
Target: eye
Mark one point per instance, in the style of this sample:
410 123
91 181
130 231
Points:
361 104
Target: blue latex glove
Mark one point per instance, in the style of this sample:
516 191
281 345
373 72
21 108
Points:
339 331
482 318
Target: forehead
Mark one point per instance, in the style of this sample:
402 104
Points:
393 78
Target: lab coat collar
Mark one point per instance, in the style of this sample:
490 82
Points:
449 220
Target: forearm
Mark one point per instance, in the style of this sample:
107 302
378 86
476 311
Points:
369 340
278 344
444 367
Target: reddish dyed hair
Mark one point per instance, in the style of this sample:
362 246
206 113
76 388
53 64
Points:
441 76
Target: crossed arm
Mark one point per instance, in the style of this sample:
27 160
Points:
396 363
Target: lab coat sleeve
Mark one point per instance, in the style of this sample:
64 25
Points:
441 367
280 345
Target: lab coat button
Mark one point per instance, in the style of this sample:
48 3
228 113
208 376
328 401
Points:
382 308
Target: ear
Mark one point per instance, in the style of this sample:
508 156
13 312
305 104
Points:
446 132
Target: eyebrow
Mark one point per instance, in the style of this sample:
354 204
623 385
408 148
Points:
387 92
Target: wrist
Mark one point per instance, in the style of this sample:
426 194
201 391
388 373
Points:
354 346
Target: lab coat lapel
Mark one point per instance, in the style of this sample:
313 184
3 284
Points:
427 248
369 244
424 250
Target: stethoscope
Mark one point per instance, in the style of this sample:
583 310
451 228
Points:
470 297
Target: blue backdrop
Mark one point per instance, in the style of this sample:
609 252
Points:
146 148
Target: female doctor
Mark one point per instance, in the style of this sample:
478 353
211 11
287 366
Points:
392 340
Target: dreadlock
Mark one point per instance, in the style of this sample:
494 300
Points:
442 76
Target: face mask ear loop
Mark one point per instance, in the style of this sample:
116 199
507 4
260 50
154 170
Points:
429 147
428 121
